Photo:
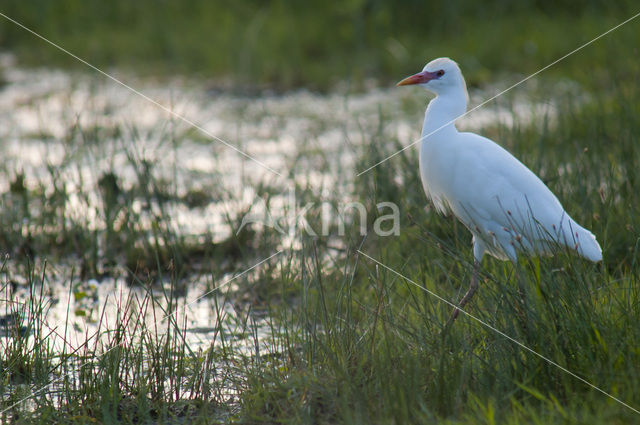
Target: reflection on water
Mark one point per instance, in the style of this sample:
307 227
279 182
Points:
88 125
81 322
76 312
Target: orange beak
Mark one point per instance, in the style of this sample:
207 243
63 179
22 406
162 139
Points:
419 78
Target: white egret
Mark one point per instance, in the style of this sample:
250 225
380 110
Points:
507 208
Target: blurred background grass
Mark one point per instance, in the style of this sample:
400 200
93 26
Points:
284 44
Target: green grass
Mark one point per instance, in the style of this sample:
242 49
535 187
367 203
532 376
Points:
284 44
350 341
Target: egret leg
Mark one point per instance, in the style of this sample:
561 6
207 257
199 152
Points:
472 290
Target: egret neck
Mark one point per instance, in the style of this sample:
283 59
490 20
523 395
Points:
443 111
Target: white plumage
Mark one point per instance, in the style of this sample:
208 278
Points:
507 208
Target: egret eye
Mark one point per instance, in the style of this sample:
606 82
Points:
440 73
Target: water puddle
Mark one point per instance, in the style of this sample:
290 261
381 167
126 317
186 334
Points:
86 126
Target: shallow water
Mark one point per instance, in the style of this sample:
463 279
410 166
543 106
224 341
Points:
87 125
80 320
76 312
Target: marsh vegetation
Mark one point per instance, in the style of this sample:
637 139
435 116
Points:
128 296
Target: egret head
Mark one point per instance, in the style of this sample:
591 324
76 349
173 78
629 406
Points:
439 76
